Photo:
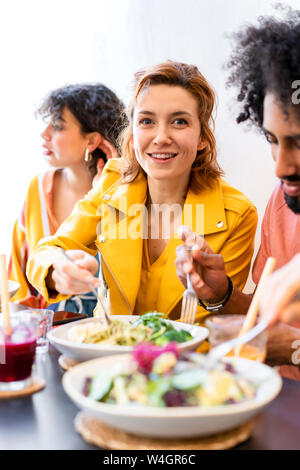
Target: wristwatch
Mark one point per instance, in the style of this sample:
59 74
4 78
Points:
212 308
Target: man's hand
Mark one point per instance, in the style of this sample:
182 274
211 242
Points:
74 278
282 289
205 267
280 344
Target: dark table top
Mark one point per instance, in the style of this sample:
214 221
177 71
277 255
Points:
45 419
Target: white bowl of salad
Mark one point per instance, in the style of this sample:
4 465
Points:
91 338
160 392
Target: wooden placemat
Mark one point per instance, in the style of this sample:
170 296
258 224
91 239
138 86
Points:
66 362
36 385
102 435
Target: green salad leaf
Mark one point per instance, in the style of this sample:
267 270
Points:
100 386
163 331
189 379
156 389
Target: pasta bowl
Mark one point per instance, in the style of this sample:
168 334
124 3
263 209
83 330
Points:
80 352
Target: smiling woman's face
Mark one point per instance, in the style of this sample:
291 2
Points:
166 132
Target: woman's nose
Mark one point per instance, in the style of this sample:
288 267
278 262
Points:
45 134
162 135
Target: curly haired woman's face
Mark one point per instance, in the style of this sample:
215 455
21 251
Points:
64 143
166 131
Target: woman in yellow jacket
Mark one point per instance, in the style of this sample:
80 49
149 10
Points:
83 123
168 176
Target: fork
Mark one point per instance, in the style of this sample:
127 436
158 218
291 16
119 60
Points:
189 299
104 311
219 351
104 287
189 303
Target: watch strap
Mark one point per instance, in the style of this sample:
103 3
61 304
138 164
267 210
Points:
219 305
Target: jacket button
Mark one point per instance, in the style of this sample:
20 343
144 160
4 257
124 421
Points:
106 197
102 239
220 224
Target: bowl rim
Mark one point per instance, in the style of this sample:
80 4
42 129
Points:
12 285
171 412
54 339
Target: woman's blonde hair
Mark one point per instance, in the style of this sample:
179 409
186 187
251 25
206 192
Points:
205 168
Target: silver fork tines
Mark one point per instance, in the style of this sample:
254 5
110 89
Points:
189 303
98 297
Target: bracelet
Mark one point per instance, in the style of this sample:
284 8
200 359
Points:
219 305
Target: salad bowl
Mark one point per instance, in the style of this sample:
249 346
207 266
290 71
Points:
80 352
175 421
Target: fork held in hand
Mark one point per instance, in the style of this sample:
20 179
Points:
104 287
190 298
106 315
189 303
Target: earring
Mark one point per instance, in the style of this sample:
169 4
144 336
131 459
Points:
87 156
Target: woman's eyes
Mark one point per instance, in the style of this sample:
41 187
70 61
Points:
177 121
57 126
145 121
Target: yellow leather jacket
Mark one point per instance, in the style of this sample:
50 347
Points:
110 219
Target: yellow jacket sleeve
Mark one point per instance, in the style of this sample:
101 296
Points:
18 261
78 232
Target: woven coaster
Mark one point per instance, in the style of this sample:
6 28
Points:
102 435
66 362
36 385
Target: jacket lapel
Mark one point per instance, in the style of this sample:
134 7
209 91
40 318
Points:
121 239
204 213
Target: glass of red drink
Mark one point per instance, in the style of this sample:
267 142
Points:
17 351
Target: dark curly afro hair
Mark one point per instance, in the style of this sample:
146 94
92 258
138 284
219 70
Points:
266 58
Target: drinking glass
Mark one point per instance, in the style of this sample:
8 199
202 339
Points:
225 327
17 351
45 319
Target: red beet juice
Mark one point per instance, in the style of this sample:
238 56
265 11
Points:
19 355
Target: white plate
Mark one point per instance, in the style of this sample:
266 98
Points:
58 337
13 287
176 422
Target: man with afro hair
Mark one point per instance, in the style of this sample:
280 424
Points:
265 68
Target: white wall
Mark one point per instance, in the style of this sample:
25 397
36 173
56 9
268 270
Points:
46 44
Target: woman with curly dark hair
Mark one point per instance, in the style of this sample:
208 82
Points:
83 122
